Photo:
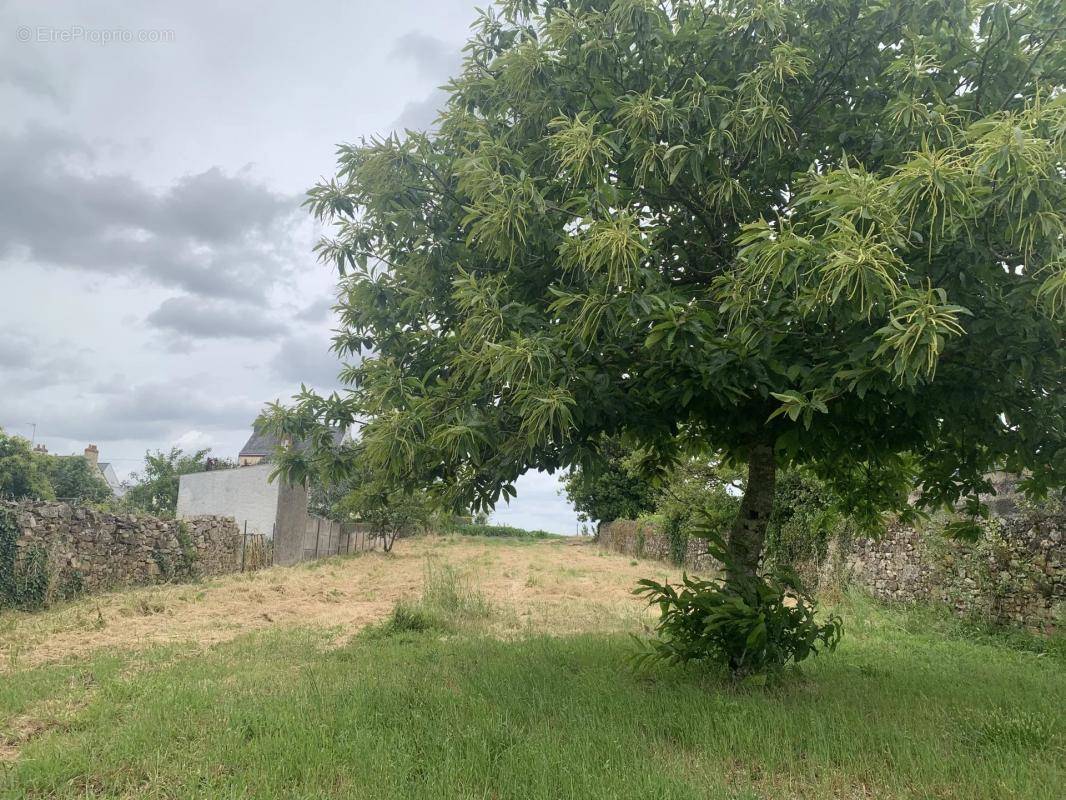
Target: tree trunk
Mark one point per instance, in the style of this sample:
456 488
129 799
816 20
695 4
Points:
749 529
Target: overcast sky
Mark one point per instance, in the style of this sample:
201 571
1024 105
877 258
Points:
157 284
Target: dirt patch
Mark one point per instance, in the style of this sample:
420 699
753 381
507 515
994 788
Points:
50 715
551 586
19 731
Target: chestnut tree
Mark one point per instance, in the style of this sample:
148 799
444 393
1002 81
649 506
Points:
820 232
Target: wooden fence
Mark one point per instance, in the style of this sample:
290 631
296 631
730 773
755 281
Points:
257 551
327 537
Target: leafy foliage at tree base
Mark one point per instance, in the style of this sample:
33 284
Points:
751 624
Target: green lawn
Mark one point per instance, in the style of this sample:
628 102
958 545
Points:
893 713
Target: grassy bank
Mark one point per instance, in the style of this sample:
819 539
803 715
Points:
435 709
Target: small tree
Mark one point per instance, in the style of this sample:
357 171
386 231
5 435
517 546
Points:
609 487
823 232
23 472
390 513
73 477
155 489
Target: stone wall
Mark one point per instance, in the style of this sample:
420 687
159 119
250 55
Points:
643 539
1015 574
87 550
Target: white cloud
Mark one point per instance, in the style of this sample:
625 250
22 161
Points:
538 506
193 440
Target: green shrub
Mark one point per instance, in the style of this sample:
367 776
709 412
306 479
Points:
699 496
28 583
678 536
497 531
26 577
804 519
188 566
693 495
752 624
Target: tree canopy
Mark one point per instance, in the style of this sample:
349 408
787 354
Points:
26 473
23 472
824 232
73 477
610 488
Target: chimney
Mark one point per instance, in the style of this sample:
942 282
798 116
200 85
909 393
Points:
41 449
92 455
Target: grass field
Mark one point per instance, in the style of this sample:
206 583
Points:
502 674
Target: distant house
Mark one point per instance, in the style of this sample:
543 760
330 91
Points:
92 455
261 446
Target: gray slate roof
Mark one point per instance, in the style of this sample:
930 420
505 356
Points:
264 444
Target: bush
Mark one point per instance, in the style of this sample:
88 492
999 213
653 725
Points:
695 494
25 578
749 623
390 513
610 485
700 499
805 518
497 531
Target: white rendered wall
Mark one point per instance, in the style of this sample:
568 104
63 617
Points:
244 493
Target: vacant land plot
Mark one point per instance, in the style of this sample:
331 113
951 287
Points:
556 585
503 674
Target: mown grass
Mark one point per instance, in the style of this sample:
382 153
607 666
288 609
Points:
433 708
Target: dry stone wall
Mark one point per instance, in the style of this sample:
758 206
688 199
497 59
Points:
1015 574
644 539
82 549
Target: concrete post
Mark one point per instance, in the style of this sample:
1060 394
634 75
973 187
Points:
291 523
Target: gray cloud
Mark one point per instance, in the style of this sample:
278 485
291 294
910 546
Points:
420 115
150 411
308 359
31 79
196 318
210 233
28 363
434 59
318 310
16 350
214 207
